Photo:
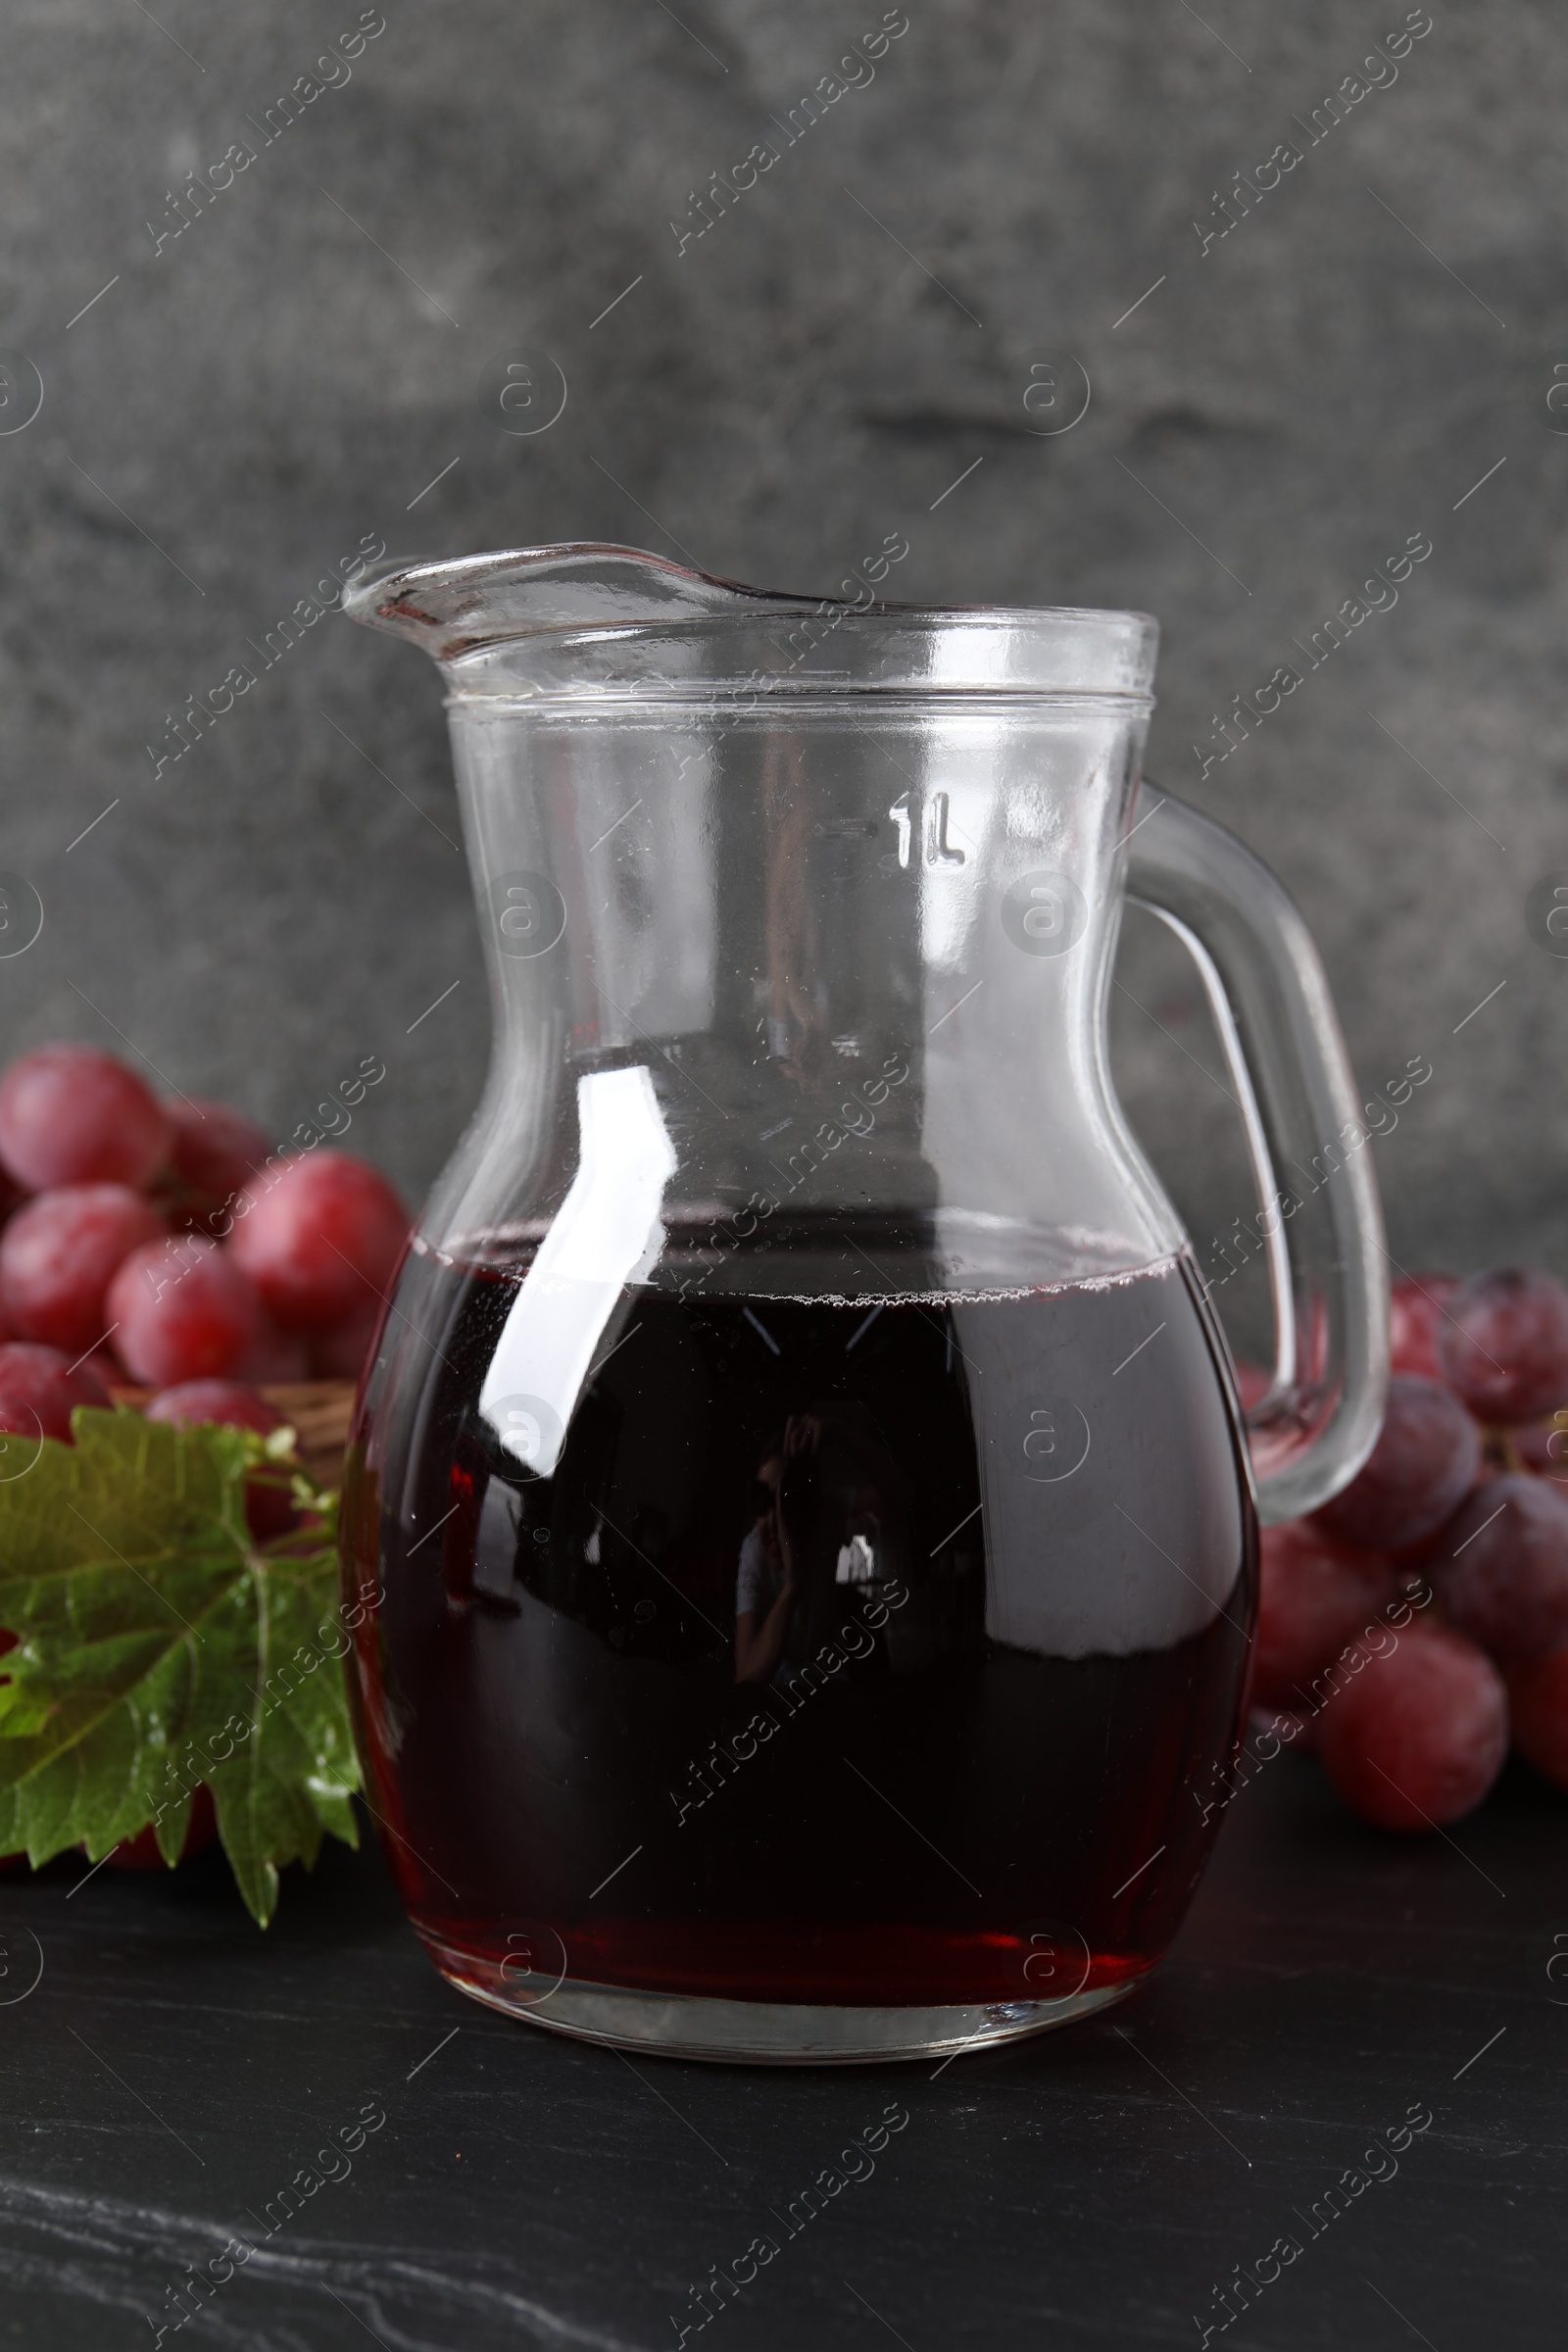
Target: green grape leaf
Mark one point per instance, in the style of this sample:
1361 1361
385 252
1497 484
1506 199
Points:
160 1647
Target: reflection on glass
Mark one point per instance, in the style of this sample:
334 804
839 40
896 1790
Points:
606 1231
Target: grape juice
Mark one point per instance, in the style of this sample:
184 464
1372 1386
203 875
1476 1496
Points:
722 1638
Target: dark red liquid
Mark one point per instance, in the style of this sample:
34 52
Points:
1023 1560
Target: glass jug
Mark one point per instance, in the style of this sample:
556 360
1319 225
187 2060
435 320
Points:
799 1527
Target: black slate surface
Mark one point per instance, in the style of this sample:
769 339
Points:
173 2070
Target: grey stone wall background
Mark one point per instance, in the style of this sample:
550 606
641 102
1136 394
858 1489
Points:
227 414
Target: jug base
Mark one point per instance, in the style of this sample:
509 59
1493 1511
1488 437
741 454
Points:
763 2033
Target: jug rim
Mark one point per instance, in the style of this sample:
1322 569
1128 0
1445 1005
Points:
585 594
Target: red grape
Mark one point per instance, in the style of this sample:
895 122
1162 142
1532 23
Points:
1415 1318
184 1310
1315 1598
319 1238
1543 1447
273 1358
268 1504
340 1353
38 1388
87 1384
1423 1465
1504 1345
69 1115
213 1152
1419 1735
229 1402
1538 1699
1501 1568
58 1253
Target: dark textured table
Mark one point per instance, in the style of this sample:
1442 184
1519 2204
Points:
172 2072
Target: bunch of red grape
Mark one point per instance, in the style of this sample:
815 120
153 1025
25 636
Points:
164 1243
1411 1626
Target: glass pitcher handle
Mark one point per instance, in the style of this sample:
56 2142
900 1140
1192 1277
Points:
1319 1221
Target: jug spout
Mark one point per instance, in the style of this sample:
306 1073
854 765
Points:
450 608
